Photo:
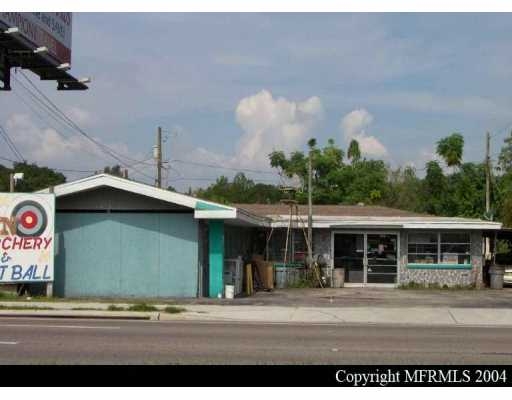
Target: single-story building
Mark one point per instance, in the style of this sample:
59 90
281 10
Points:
117 237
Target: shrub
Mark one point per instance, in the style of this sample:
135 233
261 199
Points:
142 307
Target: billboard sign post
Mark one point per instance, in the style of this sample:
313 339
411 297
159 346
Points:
27 224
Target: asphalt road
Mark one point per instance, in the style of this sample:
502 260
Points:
63 341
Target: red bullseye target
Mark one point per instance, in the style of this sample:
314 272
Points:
31 219
28 219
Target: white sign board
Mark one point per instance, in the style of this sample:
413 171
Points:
44 29
26 237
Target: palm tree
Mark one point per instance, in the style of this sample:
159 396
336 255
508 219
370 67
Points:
354 153
451 148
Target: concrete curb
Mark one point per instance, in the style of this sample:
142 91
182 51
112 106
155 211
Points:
128 315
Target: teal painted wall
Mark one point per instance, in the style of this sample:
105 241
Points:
126 254
216 257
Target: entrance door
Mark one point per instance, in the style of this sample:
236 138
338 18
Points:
349 253
367 257
381 256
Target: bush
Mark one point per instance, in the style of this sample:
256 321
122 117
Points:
113 307
173 309
142 307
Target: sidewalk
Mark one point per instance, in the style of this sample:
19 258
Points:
425 316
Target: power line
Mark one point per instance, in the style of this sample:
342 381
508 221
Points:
45 109
255 171
214 179
63 118
11 144
8 159
73 124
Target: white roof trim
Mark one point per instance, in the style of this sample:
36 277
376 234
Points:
397 222
101 180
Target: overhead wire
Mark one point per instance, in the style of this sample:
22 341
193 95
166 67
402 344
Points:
214 179
254 171
11 144
66 119
38 103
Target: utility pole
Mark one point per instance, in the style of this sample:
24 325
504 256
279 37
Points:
487 174
310 210
487 254
11 183
158 156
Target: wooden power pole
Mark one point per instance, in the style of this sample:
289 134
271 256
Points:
487 174
310 210
158 157
11 183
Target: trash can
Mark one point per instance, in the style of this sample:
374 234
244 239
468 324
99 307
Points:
281 278
338 277
496 272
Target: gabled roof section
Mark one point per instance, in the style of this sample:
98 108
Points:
203 208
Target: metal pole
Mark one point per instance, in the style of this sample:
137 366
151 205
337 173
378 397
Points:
11 183
159 158
310 211
49 285
488 174
487 190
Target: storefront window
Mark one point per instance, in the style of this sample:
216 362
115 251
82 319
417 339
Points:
455 248
439 248
423 248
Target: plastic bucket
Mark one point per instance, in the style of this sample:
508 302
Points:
338 277
229 291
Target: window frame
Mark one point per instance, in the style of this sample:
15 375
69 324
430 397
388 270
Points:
439 264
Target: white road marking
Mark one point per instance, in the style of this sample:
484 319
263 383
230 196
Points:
8 342
60 326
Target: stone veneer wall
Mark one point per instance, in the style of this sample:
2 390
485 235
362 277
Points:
442 277
448 277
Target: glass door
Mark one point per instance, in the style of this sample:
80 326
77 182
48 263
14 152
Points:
349 254
382 258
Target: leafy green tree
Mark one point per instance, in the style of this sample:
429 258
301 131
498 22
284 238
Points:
505 157
434 189
465 196
368 183
353 152
451 148
115 170
507 212
404 190
240 190
35 177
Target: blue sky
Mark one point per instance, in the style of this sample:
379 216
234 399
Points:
229 88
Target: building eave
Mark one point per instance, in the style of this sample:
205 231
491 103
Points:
202 208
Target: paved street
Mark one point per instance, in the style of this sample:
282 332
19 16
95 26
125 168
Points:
57 341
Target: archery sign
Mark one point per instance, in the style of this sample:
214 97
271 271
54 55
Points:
26 237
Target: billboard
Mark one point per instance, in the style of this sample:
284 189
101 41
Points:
48 29
26 237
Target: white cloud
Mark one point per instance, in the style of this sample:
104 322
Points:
267 124
273 123
79 115
354 125
47 147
